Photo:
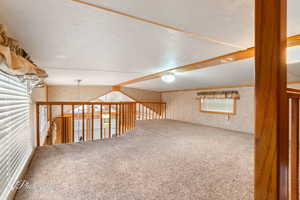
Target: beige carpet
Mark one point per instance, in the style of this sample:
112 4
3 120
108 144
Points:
160 160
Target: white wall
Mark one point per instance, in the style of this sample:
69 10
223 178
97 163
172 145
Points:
185 107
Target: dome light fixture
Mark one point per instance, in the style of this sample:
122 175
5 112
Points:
168 78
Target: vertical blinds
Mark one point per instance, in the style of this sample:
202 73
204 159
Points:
15 131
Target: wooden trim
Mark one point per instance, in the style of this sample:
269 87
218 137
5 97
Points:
80 103
47 92
219 60
220 87
215 88
271 116
116 88
196 35
295 150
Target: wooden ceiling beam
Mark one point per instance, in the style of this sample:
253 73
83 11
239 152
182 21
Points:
196 35
231 57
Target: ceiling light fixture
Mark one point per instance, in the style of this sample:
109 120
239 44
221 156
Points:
168 78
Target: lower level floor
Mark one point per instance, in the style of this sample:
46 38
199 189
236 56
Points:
159 160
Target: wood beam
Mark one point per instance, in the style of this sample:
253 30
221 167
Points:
196 35
271 122
224 59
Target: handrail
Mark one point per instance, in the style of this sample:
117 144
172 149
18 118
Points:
91 103
293 93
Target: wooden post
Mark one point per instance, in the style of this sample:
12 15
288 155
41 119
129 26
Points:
271 123
295 151
37 124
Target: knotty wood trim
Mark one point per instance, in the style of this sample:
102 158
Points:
271 122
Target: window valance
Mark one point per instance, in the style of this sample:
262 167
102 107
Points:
219 95
17 61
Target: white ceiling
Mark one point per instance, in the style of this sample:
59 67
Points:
73 41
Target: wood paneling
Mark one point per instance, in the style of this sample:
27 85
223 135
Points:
271 122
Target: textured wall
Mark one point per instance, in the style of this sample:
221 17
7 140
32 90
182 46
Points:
39 94
185 107
71 93
87 93
142 95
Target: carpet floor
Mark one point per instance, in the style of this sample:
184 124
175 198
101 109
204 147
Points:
159 160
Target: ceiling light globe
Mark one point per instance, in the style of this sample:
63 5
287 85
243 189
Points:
168 78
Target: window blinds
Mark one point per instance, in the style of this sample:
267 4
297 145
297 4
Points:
15 131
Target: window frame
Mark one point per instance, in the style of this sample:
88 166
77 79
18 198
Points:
219 112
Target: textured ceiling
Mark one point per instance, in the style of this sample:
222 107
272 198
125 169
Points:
73 41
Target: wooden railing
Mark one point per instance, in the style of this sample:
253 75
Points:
151 110
68 122
294 97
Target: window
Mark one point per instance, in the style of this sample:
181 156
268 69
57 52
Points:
218 106
16 142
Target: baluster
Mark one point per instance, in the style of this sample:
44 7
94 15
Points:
119 114
50 116
73 124
83 127
295 150
109 121
63 136
92 121
101 122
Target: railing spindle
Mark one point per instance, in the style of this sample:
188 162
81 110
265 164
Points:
73 124
92 121
109 121
83 134
295 150
101 122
